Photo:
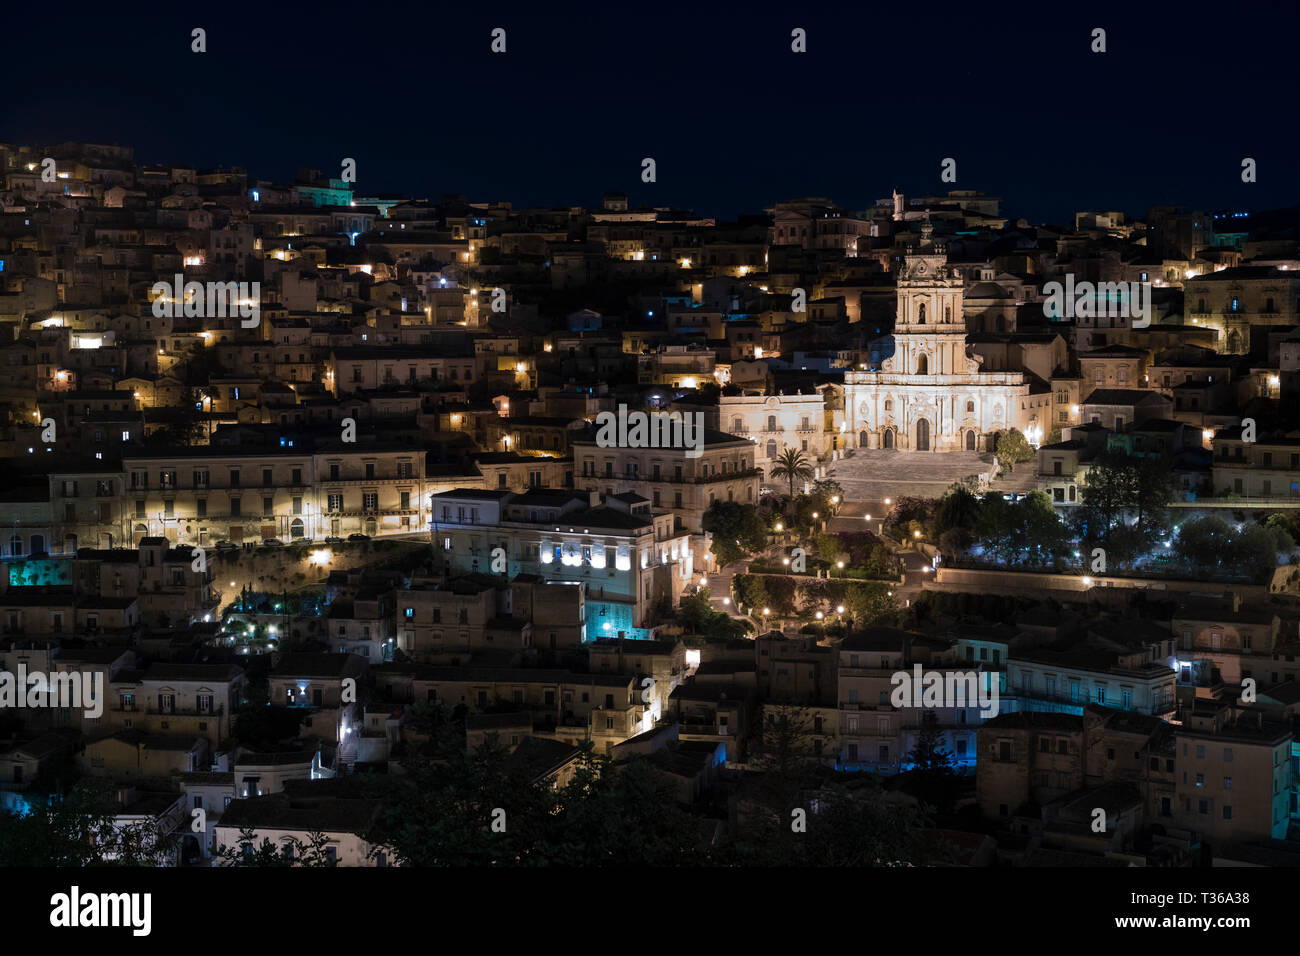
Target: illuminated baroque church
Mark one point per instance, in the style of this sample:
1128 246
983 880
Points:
930 395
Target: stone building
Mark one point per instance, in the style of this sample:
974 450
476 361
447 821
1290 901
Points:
931 395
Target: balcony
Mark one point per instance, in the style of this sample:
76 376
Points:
217 710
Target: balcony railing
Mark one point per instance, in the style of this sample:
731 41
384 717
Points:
217 710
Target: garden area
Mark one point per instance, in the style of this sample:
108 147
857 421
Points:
1124 526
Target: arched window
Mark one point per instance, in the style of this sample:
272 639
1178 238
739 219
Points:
922 365
920 314
889 404
970 406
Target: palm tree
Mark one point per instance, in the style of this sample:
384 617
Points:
792 464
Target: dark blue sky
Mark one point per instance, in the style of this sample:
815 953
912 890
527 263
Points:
734 120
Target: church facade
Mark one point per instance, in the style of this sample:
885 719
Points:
930 395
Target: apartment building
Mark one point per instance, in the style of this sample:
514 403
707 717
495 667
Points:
204 495
193 700
1267 467
626 554
463 613
372 366
1230 301
324 688
777 422
724 471
1233 774
1240 640
603 707
1137 675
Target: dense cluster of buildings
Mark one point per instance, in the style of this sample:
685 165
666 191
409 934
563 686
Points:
384 471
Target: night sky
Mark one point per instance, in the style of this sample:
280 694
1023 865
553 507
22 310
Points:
733 118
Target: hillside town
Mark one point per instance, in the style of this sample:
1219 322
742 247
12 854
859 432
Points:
356 529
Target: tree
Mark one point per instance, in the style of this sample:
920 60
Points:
1203 542
737 530
1120 485
79 831
751 592
959 508
1283 529
698 617
842 825
793 465
1037 528
908 514
869 602
290 852
1254 552
933 777
827 493
1013 448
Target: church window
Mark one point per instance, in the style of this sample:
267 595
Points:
922 365
970 406
921 315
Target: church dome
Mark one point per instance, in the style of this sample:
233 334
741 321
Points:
987 290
